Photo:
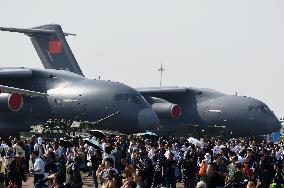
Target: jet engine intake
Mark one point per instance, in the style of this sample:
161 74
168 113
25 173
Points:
10 102
167 110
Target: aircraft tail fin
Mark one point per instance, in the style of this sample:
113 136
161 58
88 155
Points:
51 46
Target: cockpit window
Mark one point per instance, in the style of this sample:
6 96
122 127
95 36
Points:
261 108
250 108
257 108
126 97
264 108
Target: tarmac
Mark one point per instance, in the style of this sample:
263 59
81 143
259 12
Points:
87 182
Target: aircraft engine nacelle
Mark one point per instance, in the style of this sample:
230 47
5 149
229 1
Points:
167 110
10 102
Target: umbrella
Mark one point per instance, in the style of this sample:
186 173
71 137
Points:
94 143
195 141
148 135
97 133
66 143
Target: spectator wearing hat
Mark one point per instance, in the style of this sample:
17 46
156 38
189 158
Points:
207 158
203 165
201 184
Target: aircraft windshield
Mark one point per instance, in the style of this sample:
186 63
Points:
127 97
262 108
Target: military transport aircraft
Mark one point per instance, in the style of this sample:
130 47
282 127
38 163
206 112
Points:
33 96
182 111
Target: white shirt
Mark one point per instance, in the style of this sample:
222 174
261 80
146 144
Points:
168 153
39 166
241 159
39 148
217 150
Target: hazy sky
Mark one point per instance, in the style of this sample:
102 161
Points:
220 44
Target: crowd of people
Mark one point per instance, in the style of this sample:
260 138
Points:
132 161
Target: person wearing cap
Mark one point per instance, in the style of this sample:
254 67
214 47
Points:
201 184
16 170
207 158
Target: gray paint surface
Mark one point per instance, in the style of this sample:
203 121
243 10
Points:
70 97
203 110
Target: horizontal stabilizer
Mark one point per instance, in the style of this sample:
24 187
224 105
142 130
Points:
32 31
7 89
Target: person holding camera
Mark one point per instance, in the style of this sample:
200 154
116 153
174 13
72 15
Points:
106 173
73 163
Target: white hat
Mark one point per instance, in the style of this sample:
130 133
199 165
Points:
207 156
39 140
201 184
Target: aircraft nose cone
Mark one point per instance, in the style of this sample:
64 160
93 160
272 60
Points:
147 119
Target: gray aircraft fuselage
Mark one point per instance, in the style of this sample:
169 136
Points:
209 112
71 97
181 111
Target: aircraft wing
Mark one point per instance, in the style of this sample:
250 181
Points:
7 89
15 73
161 90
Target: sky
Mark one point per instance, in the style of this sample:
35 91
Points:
229 46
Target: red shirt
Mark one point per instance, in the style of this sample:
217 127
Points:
248 172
